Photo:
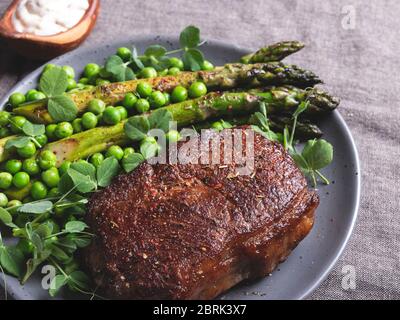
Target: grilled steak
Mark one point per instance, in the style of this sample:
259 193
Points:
192 231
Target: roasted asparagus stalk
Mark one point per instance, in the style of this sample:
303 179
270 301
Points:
275 52
279 100
222 78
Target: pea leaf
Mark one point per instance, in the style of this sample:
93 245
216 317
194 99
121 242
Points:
54 82
56 284
66 184
160 119
156 51
33 130
115 65
318 153
136 128
119 69
132 161
62 108
106 171
190 37
5 216
301 108
81 241
80 279
193 59
36 207
149 149
82 182
12 260
85 168
135 59
18 142
129 74
75 226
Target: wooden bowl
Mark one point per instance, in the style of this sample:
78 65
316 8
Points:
46 47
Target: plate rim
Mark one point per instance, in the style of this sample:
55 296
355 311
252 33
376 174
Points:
159 37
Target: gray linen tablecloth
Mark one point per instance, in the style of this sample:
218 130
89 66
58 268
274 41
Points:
354 46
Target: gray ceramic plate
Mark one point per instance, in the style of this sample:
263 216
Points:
312 260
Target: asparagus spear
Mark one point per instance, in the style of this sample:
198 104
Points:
222 78
304 128
5 154
279 100
275 52
212 105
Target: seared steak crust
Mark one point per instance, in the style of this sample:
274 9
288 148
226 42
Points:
174 231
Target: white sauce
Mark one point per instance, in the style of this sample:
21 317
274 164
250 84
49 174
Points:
48 17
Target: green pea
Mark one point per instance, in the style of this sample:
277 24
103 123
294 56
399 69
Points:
47 159
71 84
179 94
5 180
96 106
77 125
89 120
34 95
64 130
124 53
207 66
91 70
4 132
173 136
13 166
96 159
167 98
51 177
21 180
157 99
27 151
163 73
70 71
174 71
176 63
111 116
128 151
122 111
3 200
4 118
148 72
53 192
14 203
217 125
42 139
142 105
38 190
16 99
50 129
31 167
83 81
197 90
64 167
144 89
129 101
102 82
115 151
17 123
